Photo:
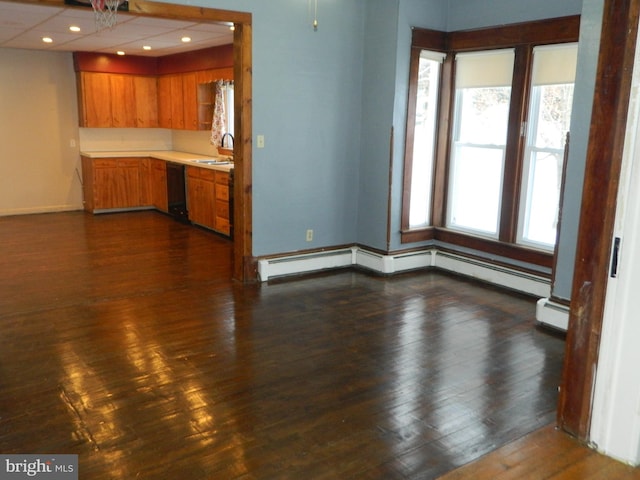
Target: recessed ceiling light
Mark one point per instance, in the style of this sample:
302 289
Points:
74 28
120 52
47 39
186 39
232 27
146 47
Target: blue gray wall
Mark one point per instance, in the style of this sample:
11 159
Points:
327 102
590 26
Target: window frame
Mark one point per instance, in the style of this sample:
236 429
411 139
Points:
522 37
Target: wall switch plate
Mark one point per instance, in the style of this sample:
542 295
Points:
309 235
260 141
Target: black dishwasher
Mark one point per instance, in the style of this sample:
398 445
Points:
176 192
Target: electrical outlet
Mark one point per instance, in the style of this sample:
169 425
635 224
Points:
309 235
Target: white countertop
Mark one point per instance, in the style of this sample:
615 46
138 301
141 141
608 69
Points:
185 158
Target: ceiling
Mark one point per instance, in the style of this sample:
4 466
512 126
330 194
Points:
23 25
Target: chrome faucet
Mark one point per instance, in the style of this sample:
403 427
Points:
225 136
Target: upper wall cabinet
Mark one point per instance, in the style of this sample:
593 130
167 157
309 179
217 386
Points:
133 91
117 100
177 104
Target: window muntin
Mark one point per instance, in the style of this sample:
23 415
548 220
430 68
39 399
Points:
480 125
551 99
424 138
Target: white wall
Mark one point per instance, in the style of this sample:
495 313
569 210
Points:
615 427
39 170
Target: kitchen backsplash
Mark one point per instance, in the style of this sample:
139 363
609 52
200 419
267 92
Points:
124 139
193 142
141 139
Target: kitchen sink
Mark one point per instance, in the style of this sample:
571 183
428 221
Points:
213 162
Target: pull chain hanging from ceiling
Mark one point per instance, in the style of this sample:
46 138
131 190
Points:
315 14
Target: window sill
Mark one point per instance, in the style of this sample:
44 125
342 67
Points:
495 247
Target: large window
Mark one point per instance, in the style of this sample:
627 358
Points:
554 70
424 137
480 122
484 159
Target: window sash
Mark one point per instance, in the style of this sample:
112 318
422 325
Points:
477 158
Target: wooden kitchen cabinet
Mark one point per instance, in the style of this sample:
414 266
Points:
112 183
201 197
145 90
109 100
177 110
208 198
222 213
165 111
170 102
190 101
94 99
158 184
177 101
123 101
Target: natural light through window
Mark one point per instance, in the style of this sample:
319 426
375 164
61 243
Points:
481 117
424 138
554 69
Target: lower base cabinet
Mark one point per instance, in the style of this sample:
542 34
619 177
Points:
130 183
222 220
208 198
201 196
112 183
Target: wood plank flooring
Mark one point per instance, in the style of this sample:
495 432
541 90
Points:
547 453
124 341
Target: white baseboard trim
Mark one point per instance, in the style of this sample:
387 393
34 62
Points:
552 314
304 263
389 264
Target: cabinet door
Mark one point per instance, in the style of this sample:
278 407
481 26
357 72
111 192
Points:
129 183
88 184
146 185
190 101
123 106
177 111
95 96
146 101
165 110
105 184
159 185
201 196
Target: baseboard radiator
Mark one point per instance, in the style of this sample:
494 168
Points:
354 256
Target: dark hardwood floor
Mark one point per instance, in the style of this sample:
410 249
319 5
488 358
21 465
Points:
124 341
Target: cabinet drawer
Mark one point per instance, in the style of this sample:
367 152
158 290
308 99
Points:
222 178
116 162
222 209
105 163
222 192
203 173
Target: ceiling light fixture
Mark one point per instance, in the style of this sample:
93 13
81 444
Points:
47 39
120 52
185 39
146 47
74 28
